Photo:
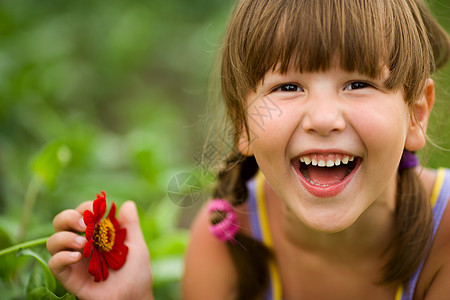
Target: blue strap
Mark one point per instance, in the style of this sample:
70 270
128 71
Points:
438 211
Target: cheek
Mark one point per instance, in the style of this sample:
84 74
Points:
269 123
383 130
386 119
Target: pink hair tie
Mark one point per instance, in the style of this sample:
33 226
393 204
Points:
226 229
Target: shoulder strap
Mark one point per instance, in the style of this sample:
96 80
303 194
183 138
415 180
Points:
440 196
253 211
439 199
261 231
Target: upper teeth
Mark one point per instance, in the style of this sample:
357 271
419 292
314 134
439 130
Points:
329 160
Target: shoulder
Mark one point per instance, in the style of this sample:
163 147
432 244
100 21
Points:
435 277
209 269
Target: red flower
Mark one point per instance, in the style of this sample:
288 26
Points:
104 240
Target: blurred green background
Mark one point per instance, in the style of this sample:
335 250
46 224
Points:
102 95
108 95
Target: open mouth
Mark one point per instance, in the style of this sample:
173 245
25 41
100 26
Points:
324 170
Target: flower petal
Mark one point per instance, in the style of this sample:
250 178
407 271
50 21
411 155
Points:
122 249
88 247
90 228
116 259
113 260
99 207
121 233
88 217
112 212
95 266
102 194
102 210
104 266
115 223
96 205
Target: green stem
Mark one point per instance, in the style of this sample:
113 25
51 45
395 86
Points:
24 245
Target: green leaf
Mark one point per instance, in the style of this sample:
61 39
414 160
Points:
43 293
36 279
7 262
8 265
50 281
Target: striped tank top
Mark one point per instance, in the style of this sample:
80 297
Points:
261 231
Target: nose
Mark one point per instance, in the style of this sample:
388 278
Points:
324 115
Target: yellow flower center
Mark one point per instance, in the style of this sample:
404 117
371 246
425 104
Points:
104 235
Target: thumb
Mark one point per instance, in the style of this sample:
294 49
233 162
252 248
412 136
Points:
129 219
138 251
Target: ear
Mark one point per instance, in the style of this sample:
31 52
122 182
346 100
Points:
416 138
244 145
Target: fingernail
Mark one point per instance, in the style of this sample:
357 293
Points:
80 240
75 255
81 223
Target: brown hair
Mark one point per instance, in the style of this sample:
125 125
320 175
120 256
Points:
366 36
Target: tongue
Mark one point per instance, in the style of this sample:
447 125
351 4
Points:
327 176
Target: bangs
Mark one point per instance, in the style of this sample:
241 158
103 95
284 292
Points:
315 36
364 36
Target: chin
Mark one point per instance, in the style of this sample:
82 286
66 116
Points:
328 221
329 228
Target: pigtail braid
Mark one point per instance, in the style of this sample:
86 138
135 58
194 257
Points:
250 256
232 180
414 227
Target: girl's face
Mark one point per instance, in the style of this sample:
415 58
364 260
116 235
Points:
329 143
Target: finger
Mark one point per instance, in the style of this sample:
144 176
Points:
69 220
128 218
60 262
65 240
84 206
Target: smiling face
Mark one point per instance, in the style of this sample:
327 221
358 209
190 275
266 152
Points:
334 148
328 83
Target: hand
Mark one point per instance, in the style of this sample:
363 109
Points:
132 281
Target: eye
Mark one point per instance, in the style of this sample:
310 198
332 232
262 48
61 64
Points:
289 87
356 85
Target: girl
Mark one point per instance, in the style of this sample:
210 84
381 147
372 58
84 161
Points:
322 197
